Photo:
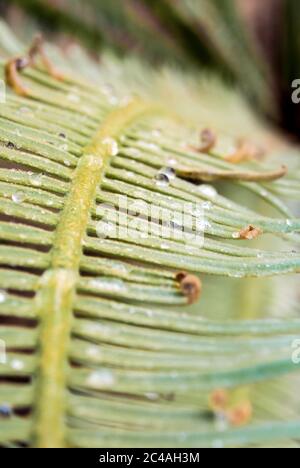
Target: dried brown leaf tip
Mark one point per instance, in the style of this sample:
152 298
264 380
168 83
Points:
237 414
190 286
208 140
12 69
219 399
248 233
15 66
246 151
240 414
211 175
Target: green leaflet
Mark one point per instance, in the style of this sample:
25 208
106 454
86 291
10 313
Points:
101 323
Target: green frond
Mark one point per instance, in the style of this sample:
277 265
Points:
103 348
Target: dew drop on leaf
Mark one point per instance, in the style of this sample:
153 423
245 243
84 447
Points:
5 410
36 179
172 162
17 365
18 197
109 284
101 379
208 190
112 146
3 296
162 179
169 172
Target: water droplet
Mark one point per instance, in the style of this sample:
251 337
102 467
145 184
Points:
111 145
109 285
172 162
162 180
67 163
264 193
169 172
130 175
3 296
5 410
36 179
18 197
208 190
17 365
289 222
101 379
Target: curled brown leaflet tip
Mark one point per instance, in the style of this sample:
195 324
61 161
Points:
13 78
208 140
190 286
245 151
249 233
16 65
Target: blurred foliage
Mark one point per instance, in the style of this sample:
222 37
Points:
251 43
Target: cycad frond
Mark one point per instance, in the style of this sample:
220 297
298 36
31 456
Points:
102 349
